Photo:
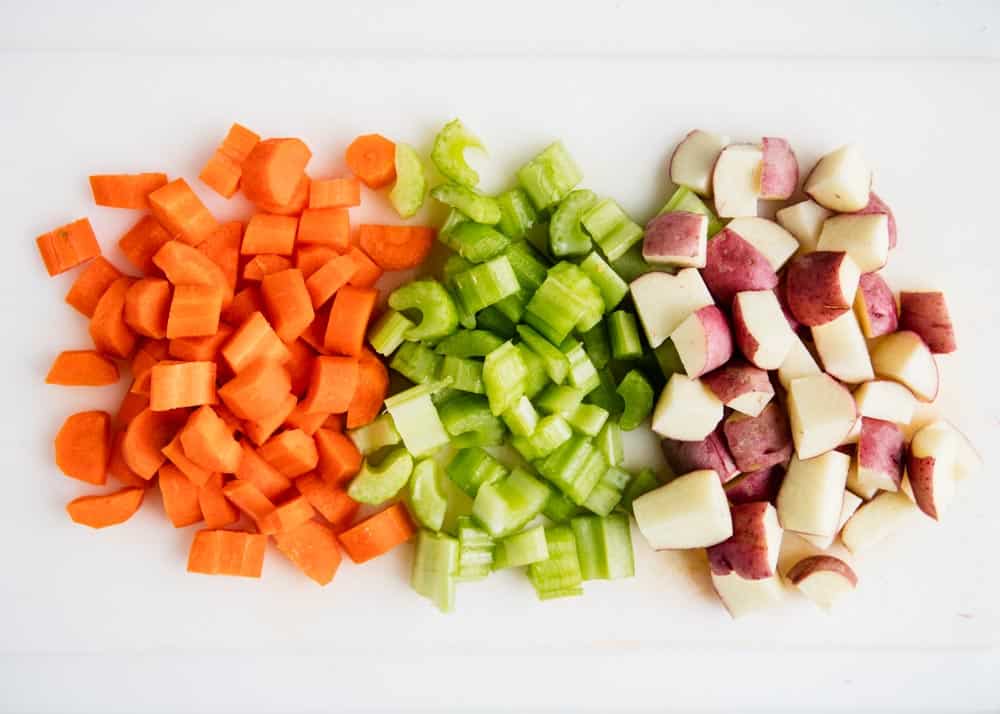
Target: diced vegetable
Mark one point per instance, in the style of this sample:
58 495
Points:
389 331
505 374
521 549
428 501
448 152
475 550
566 235
623 329
604 546
612 287
517 215
612 230
468 201
438 317
559 575
435 567
468 343
550 176
377 484
486 284
407 195
477 242
507 504
417 420
472 468
637 394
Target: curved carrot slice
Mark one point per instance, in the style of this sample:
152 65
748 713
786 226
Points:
300 365
312 547
261 430
367 273
83 446
373 385
294 206
291 452
327 280
216 509
208 442
339 458
180 497
254 340
349 315
82 368
299 418
91 284
254 469
287 303
131 406
223 249
195 311
311 257
141 243
273 169
200 349
246 302
257 390
181 212
145 437
248 499
378 534
106 510
185 265
396 247
331 502
287 516
174 451
325 226
335 193
120 470
218 552
149 354
269 234
68 246
147 305
260 266
183 384
108 328
333 385
372 158
125 190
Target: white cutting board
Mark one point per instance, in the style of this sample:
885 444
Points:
927 128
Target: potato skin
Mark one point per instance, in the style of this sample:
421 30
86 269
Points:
744 552
821 563
675 238
877 205
876 306
710 453
926 313
881 447
733 266
761 441
736 379
813 287
762 485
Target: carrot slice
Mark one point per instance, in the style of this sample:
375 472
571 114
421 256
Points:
83 446
339 458
291 452
184 265
119 469
125 190
200 349
261 430
335 193
287 303
249 499
287 516
216 510
310 258
185 384
372 158
273 169
373 385
325 226
313 548
147 305
335 422
246 302
254 340
257 390
108 329
141 243
239 142
378 534
145 436
195 311
82 368
180 497
295 206
254 469
68 246
300 366
269 234
316 332
299 418
223 249
132 405
367 273
396 247
334 382
105 510
91 284
149 354
181 212
349 316
331 502
260 266
174 451
220 552
223 170
330 278
208 442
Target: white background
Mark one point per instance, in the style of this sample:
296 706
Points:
109 622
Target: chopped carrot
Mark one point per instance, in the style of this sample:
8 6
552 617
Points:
331 502
373 386
287 303
68 246
216 509
233 423
294 206
82 368
207 441
287 516
147 305
108 329
195 311
273 170
185 384
257 390
221 552
300 366
174 451
200 349
299 418
267 234
125 190
141 384
254 340
292 452
180 497
248 498
372 158
260 266
181 212
335 422
119 469
334 382
239 142
310 258
339 458
223 249
221 174
149 354
261 430
91 284
105 510
132 405
145 436
83 446
326 281
186 265
335 193
367 273
141 243
316 332
246 302
396 247
313 548
254 469
378 534
349 316
325 226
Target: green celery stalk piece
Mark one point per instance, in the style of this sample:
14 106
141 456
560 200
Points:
477 242
611 286
448 152
605 395
582 372
467 414
375 435
410 190
435 568
604 547
417 419
637 394
609 443
505 374
612 230
417 362
668 359
490 318
389 332
559 509
477 206
555 362
438 315
575 468
537 378
558 575
517 215
521 549
375 485
552 431
468 343
484 285
428 501
548 177
596 345
470 468
608 492
521 418
623 331
588 419
466 374
643 482
505 505
475 550
566 234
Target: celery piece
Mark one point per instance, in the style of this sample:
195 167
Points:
559 509
468 343
558 575
417 420
643 482
668 359
476 242
377 484
575 468
468 414
521 549
438 316
552 431
623 329
521 418
448 152
375 435
605 396
477 206
612 230
548 177
611 286
505 505
604 546
470 468
452 266
517 215
435 567
493 434
475 550
537 378
528 266
566 235
512 307
410 190
417 362
452 221
466 374
596 345
554 310
631 264
684 199
588 419
582 373
637 394
585 291
609 442
428 501
492 319
555 362
485 284
608 491
559 399
389 332
504 373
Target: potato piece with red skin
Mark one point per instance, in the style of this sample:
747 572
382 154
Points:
905 358
733 265
930 469
752 550
779 169
881 451
877 205
760 328
875 306
676 238
821 286
824 579
741 386
761 441
760 485
926 313
710 453
703 341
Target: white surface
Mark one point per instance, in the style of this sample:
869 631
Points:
110 622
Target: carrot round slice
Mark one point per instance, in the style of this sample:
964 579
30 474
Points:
83 446
82 368
396 247
145 437
105 510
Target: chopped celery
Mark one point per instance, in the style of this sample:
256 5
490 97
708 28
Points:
452 266
559 509
469 414
611 286
428 501
475 550
608 491
585 292
521 418
548 177
582 373
554 310
588 419
471 468
630 264
604 395
438 316
559 399
493 434
388 332
555 362
643 482
637 394
528 266
504 373
512 307
477 206
623 329
417 362
521 549
377 484
552 431
684 199
375 435
466 374
477 242
508 504
558 575
575 467
566 235
410 189
468 343
485 284
604 547
517 215
612 230
537 378
452 221
609 443
435 566
448 152
493 320
417 420
668 359
595 343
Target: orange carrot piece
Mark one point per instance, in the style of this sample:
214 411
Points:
287 516
145 436
325 226
396 247
300 366
299 418
83 446
207 441
316 332
108 329
147 305
132 405
326 281
267 234
349 316
254 340
91 284
273 170
334 382
125 190
149 354
310 258
68 246
292 452
141 243
287 303
200 349
82 368
223 249
260 266
335 422
174 451
181 212
378 534
335 193
216 510
185 384
185 265
119 469
339 458
331 502
295 206
221 552
195 311
260 431
108 509
239 142
245 303
312 548
248 498
373 385
221 174
257 390
372 158
367 273
254 469
180 497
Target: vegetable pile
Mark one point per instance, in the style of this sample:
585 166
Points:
770 357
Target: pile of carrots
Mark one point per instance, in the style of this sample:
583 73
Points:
246 346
